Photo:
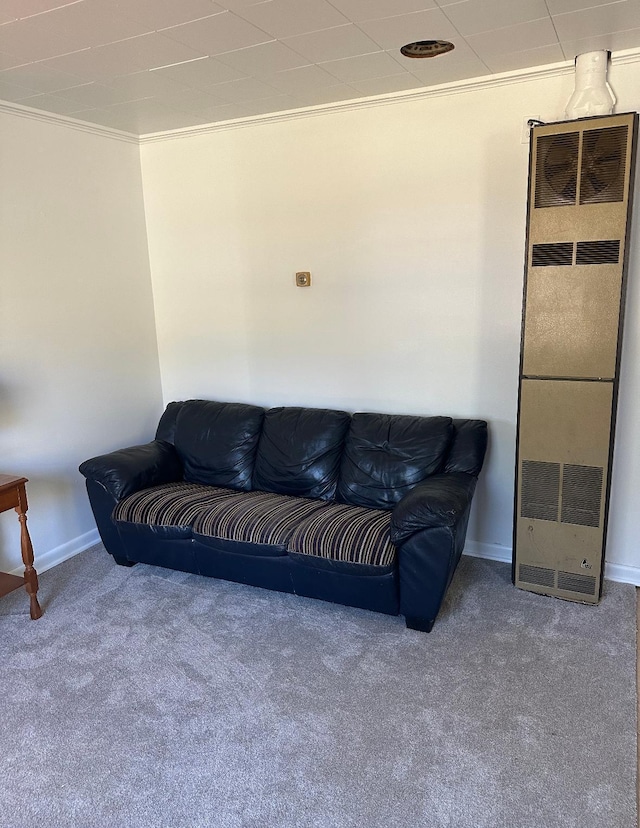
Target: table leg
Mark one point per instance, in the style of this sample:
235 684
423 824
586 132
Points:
30 575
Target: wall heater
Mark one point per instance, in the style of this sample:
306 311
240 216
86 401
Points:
579 206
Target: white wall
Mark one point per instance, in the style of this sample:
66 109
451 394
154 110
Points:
411 218
79 370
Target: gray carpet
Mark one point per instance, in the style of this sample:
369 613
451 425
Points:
150 698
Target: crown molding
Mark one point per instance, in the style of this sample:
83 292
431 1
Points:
441 90
67 122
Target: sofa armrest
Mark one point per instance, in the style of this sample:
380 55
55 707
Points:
138 467
440 501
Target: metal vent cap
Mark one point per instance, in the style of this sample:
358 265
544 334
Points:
426 48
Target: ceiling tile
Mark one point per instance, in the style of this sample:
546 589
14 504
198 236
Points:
207 111
332 94
615 41
616 17
460 64
285 18
164 121
145 84
18 9
297 81
13 92
124 123
394 32
237 5
386 86
518 38
39 77
358 10
99 63
9 61
266 57
475 16
561 6
247 89
216 112
190 100
96 95
52 103
223 32
89 23
363 67
148 115
530 57
33 39
279 103
158 14
200 74
6 16
153 50
332 44
146 106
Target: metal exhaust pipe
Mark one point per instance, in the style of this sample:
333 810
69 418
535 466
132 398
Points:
592 95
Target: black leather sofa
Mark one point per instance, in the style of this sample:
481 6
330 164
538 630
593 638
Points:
368 510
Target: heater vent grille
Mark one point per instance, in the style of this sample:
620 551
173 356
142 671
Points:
556 170
539 575
540 490
598 252
602 175
552 255
581 495
585 584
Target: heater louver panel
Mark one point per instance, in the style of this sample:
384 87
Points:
557 170
581 495
540 490
602 173
581 176
557 254
583 584
598 252
539 575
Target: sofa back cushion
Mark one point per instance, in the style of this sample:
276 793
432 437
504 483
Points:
468 447
300 450
166 430
217 442
385 455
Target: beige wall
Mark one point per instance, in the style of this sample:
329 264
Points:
411 219
78 357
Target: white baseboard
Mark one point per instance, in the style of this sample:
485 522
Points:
622 573
493 552
490 551
62 553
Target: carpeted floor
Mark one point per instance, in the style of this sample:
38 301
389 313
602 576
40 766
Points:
150 698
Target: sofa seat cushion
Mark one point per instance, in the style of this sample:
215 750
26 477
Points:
172 506
346 533
256 518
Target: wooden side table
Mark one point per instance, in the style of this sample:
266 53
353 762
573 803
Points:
13 495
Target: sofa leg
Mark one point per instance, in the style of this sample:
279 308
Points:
123 561
420 624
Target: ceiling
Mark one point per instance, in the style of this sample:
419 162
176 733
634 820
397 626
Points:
147 66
